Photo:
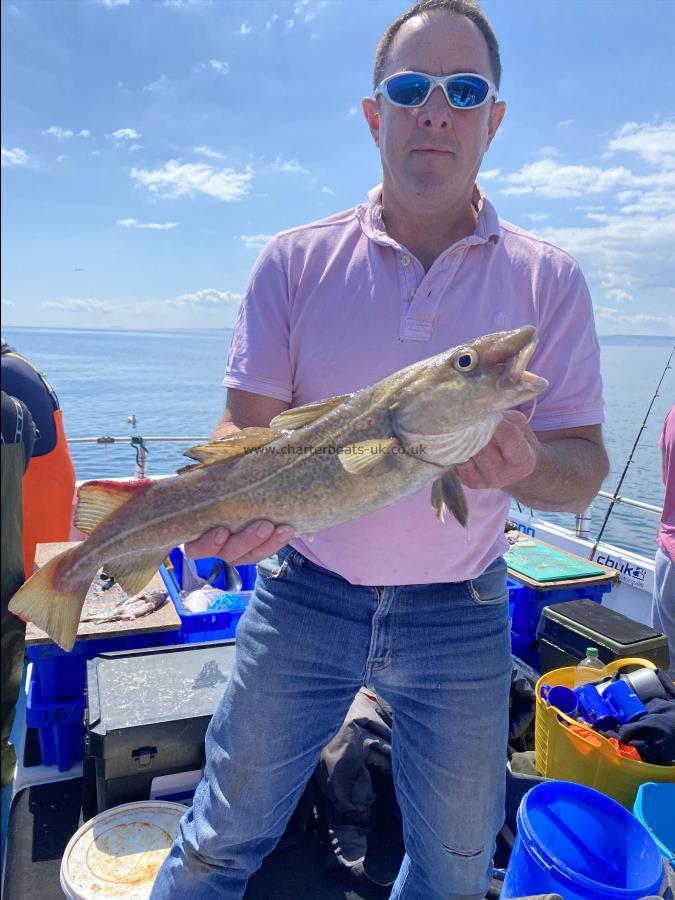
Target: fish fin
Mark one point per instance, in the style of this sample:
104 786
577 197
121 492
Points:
134 570
372 457
236 445
291 419
447 493
99 499
45 601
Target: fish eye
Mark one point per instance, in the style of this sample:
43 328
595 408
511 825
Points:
466 361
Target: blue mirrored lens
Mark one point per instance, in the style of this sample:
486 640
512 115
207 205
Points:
408 89
467 91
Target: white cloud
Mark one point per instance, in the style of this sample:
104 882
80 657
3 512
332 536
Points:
61 133
205 298
255 241
551 151
653 143
488 174
326 190
160 84
61 158
546 178
132 223
7 303
176 179
270 22
245 29
116 2
537 217
79 306
613 317
619 295
288 165
134 147
219 66
289 24
14 156
95 152
126 134
207 151
565 123
352 111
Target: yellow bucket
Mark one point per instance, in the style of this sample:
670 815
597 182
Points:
568 751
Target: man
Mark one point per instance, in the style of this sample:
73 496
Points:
18 438
415 608
663 601
49 484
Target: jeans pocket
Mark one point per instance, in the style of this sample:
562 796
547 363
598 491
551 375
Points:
275 567
489 588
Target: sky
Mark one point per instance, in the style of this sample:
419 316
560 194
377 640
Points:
150 148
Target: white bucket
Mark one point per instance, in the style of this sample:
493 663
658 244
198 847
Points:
119 852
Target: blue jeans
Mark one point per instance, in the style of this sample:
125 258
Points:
438 653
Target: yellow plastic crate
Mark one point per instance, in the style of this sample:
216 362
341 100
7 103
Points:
583 755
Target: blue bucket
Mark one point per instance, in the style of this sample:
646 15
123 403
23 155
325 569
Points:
654 805
581 844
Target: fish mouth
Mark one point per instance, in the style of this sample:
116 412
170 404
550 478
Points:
516 376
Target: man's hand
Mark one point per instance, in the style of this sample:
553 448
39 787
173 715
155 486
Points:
510 456
253 543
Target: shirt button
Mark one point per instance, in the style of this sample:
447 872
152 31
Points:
405 260
412 291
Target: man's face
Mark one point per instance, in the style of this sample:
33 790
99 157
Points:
434 150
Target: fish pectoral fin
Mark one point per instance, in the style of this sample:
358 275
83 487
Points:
291 419
374 457
447 493
236 445
99 499
134 570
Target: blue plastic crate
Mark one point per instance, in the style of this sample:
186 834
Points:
60 727
205 568
203 626
62 674
528 603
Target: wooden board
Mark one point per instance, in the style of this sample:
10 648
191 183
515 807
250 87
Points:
544 567
164 619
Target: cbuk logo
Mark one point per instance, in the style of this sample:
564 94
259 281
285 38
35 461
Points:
628 570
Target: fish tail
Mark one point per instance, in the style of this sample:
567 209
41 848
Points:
53 602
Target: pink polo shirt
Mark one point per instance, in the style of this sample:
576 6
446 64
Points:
337 305
666 536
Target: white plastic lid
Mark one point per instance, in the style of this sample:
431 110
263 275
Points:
119 852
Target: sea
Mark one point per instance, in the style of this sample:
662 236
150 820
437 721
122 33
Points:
168 383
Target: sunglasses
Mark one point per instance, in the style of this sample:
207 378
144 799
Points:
465 90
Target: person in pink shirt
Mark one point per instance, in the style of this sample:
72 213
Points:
413 607
663 600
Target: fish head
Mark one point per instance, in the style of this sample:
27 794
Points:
457 397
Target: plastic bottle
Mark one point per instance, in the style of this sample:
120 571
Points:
588 668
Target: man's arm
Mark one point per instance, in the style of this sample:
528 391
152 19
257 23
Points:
261 538
559 470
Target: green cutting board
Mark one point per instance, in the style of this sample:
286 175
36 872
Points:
547 564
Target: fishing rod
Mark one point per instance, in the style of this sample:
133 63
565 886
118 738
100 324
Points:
615 496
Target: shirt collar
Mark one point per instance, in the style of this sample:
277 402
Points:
369 215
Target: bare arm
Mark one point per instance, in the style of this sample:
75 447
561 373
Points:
261 538
558 470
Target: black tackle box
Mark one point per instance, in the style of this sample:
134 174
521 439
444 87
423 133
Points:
147 714
567 629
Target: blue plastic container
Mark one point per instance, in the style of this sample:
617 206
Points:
581 844
528 603
655 807
205 626
60 727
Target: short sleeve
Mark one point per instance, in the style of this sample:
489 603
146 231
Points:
17 425
259 358
568 355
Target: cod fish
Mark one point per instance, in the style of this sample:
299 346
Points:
314 467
